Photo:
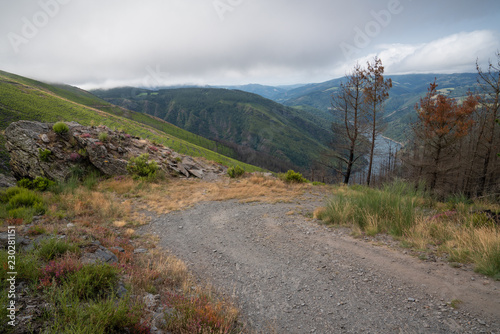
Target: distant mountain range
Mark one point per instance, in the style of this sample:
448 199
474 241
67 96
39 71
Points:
291 135
400 107
276 128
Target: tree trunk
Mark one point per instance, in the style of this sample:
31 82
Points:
372 150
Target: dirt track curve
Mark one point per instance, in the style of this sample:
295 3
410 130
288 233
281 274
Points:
293 275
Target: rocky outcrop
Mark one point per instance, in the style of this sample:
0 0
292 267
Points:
36 150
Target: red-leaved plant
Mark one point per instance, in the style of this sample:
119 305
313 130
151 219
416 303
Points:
56 271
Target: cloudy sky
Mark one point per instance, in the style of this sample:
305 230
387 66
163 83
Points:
107 43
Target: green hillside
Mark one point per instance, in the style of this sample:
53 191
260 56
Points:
25 99
234 116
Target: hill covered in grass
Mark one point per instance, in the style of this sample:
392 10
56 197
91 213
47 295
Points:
26 99
232 116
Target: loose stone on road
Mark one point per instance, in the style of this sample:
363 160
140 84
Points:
292 275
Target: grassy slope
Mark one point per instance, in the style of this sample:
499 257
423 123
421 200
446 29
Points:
235 116
26 99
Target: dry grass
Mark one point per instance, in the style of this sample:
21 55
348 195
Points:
458 236
319 213
177 194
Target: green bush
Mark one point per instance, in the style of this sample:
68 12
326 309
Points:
24 198
25 183
292 176
60 128
27 266
141 167
317 183
44 155
42 183
52 248
7 194
235 171
103 136
83 152
107 315
93 281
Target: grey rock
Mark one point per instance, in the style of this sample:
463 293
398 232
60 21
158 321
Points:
183 169
197 173
140 250
151 300
121 291
45 138
102 255
19 240
26 139
7 181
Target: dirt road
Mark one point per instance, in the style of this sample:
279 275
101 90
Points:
291 275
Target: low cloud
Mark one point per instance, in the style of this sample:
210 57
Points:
155 42
456 53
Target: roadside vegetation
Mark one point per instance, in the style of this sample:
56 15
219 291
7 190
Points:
463 230
68 295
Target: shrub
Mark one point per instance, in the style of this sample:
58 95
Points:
36 230
27 266
93 281
74 156
44 155
51 248
235 171
24 198
6 195
60 128
317 183
94 316
140 167
42 183
103 137
292 176
25 183
83 152
199 313
39 183
55 272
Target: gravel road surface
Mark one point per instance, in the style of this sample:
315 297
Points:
289 274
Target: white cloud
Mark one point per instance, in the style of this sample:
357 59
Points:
456 53
94 43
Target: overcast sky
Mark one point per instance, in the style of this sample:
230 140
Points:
108 43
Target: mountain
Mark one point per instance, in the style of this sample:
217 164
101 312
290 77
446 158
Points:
269 92
294 136
404 95
26 99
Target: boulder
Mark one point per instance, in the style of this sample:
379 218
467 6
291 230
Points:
7 181
88 146
102 255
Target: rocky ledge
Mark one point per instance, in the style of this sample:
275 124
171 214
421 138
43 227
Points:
36 150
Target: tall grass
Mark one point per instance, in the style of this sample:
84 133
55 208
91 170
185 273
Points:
392 209
458 227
